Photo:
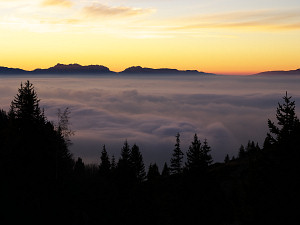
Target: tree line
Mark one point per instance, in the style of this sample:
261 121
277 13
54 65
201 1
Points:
41 182
130 165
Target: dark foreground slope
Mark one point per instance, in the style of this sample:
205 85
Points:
261 189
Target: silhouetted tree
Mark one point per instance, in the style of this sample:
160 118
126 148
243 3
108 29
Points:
79 168
177 157
35 161
288 128
242 152
153 172
137 163
194 155
252 148
3 129
227 159
104 167
39 151
166 170
267 143
113 164
124 169
3 118
63 125
25 106
198 157
207 158
124 161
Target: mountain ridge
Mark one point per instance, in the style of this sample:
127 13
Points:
8 70
96 69
73 68
136 70
279 72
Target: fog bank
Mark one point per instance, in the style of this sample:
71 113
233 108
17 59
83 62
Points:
150 110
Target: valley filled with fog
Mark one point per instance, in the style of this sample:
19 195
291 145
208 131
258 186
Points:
149 110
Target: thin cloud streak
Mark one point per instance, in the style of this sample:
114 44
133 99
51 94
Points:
100 10
62 3
258 19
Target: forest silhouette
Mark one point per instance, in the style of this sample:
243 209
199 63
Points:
42 183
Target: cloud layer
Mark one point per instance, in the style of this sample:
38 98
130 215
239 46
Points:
228 111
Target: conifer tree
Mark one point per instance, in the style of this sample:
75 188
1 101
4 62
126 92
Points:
25 106
124 171
227 159
288 129
104 167
252 148
177 157
79 168
242 152
198 157
194 155
166 170
153 172
39 151
124 161
137 163
113 163
3 118
207 158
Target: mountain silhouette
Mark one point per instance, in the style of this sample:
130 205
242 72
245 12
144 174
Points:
280 73
136 70
96 69
6 70
73 69
145 70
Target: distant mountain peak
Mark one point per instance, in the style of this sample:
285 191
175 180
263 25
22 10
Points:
146 70
74 68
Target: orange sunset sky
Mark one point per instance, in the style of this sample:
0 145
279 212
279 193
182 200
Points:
216 36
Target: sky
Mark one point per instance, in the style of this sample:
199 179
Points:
149 110
216 36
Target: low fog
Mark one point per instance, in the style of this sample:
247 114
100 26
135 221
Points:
149 110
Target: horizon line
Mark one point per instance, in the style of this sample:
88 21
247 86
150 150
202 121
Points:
244 73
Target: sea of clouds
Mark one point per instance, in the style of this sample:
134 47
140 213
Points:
149 110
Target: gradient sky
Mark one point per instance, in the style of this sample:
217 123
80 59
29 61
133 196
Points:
218 36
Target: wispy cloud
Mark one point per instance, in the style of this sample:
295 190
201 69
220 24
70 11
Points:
60 21
257 19
64 3
100 10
